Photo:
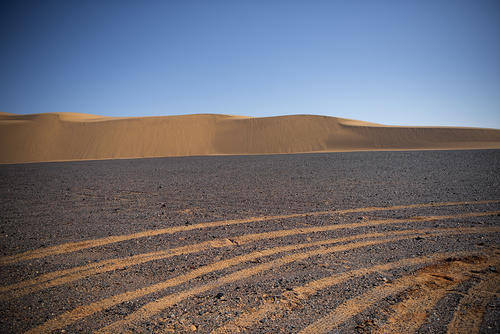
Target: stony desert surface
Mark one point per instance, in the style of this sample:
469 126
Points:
353 242
71 136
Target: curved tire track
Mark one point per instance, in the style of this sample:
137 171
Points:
469 313
69 275
358 304
80 245
155 307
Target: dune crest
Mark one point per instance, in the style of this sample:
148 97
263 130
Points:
72 136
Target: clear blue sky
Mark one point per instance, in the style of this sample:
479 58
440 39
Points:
421 62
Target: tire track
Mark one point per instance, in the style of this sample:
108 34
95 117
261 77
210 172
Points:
65 276
80 245
428 276
294 297
410 314
56 278
86 310
469 313
155 307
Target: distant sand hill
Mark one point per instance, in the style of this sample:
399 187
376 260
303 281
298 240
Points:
70 136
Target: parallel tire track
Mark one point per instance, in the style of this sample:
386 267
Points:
409 310
157 306
247 319
69 275
410 314
84 311
80 245
469 313
87 310
360 303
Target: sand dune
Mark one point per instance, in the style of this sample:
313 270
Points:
72 136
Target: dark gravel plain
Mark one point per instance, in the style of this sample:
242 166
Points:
47 204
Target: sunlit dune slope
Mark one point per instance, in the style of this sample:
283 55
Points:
71 136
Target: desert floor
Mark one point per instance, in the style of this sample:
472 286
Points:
309 243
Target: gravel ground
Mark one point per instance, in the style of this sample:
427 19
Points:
196 268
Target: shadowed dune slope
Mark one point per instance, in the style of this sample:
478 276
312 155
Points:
71 136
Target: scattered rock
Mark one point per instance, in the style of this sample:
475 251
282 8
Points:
366 326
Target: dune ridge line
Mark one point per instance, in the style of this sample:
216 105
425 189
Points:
72 136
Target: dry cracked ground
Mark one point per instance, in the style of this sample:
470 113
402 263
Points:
366 242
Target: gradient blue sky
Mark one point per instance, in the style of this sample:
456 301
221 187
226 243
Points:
425 62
